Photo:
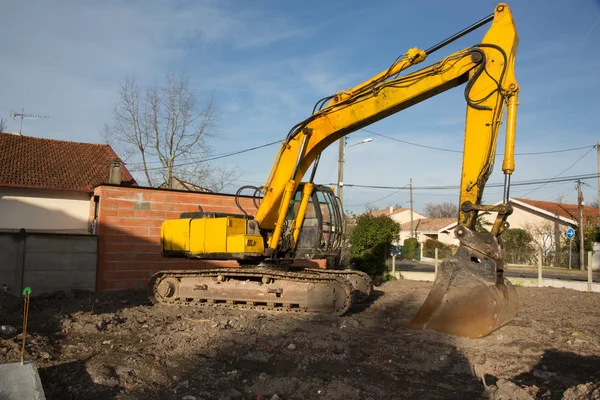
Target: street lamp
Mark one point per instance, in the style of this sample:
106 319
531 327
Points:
341 159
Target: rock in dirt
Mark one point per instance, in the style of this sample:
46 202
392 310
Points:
583 391
263 376
275 397
507 390
291 346
7 331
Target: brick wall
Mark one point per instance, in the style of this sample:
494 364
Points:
128 230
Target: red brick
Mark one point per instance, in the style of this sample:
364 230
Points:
158 196
131 230
104 265
172 214
153 239
132 248
104 212
124 203
126 275
107 203
117 256
121 238
148 257
141 213
125 212
154 233
152 223
161 206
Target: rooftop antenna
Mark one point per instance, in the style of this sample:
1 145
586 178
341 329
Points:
23 116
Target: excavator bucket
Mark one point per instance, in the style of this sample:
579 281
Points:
470 296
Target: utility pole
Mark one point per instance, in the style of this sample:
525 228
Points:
340 191
411 210
341 161
598 152
581 233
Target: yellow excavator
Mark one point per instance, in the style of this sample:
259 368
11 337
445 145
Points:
289 249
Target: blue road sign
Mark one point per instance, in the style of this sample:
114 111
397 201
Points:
570 233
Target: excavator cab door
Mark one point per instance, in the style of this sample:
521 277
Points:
322 228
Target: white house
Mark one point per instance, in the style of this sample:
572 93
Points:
47 185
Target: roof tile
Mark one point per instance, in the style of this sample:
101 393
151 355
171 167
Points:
570 211
428 224
55 164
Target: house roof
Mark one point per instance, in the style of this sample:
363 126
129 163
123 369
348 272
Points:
55 164
428 224
569 211
386 211
180 184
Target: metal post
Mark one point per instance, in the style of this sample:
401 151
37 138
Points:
340 192
540 279
570 246
411 211
589 271
394 264
581 231
598 151
436 263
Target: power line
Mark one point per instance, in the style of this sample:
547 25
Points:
217 157
378 200
535 153
571 166
490 185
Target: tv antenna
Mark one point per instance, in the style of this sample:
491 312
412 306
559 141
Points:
23 116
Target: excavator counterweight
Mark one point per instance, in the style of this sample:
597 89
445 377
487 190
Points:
289 248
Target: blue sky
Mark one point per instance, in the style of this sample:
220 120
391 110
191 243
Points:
268 62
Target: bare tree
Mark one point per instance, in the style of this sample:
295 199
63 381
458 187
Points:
544 234
164 130
443 210
2 125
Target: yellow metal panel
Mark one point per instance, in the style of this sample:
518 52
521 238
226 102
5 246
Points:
174 235
236 226
245 244
197 233
210 235
215 235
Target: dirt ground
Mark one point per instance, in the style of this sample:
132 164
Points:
99 346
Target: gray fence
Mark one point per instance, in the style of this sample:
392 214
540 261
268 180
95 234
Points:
46 262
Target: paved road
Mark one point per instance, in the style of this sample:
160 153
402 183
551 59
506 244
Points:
402 265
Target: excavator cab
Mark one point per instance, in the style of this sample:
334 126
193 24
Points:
322 227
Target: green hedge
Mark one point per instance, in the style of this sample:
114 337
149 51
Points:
371 242
411 249
444 250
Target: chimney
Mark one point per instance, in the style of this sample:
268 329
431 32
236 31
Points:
114 176
391 209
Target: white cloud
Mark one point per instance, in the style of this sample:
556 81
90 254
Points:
64 59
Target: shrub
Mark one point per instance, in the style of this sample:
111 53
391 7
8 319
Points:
411 248
444 250
519 246
371 242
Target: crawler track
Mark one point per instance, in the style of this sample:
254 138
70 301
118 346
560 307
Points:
255 288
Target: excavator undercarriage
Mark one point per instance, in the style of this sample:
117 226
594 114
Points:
308 290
